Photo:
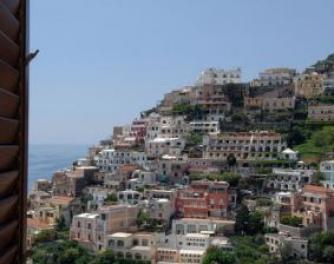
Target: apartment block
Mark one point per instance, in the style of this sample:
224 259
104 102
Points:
203 199
204 127
91 229
268 103
166 127
98 195
289 179
219 76
84 229
321 112
213 102
172 169
129 197
72 182
138 130
315 205
180 96
136 246
275 77
327 169
160 146
329 85
110 159
278 103
243 145
209 226
309 85
140 178
299 246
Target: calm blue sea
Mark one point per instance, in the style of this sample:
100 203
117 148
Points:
45 159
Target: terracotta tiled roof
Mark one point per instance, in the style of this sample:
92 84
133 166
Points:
38 224
128 168
317 189
61 200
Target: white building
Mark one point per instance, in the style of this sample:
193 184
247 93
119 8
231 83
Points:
166 127
299 246
275 77
98 194
129 197
136 246
90 229
161 146
109 160
173 127
251 145
321 112
140 178
83 229
219 76
204 127
185 226
160 209
289 179
327 169
329 85
290 154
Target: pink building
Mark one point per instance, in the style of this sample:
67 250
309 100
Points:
204 199
138 130
315 204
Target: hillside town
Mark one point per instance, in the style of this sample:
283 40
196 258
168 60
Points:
220 171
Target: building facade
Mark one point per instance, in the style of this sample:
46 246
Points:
203 199
219 76
275 77
321 112
327 169
308 85
289 179
243 145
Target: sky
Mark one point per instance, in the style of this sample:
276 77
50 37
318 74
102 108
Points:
101 62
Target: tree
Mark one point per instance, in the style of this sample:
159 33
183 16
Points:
242 219
231 160
255 223
286 251
142 217
318 177
112 198
321 247
232 178
44 236
247 223
328 254
215 255
61 226
324 137
239 117
291 221
60 251
295 137
194 139
235 93
106 257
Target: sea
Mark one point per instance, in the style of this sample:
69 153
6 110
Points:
45 159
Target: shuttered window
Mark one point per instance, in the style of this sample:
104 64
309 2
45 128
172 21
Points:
13 130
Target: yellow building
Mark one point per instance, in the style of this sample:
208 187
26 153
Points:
308 85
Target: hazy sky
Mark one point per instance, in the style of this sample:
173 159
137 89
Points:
103 61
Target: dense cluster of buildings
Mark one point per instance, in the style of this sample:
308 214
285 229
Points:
148 192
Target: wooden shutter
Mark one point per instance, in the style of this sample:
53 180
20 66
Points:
13 130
